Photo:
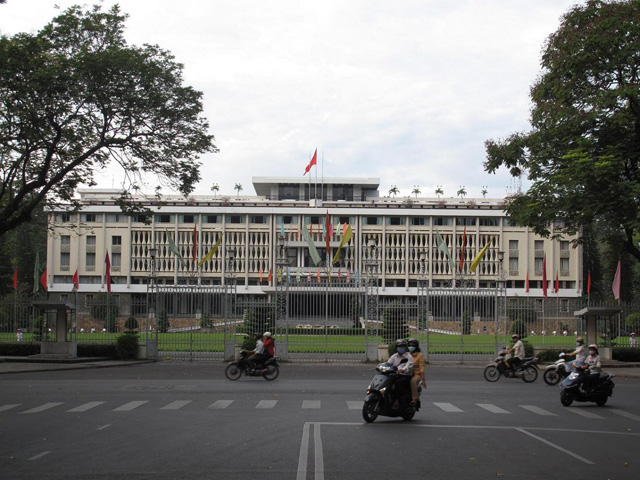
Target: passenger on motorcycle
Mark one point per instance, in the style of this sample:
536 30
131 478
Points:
518 353
418 369
268 351
595 368
404 361
256 353
580 352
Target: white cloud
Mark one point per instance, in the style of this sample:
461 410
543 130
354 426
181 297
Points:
404 91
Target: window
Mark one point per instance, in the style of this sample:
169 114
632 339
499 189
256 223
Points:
63 217
116 260
90 217
564 246
396 221
115 218
466 221
257 219
564 265
65 260
141 218
372 221
442 221
513 264
538 266
506 222
513 244
188 219
489 222
90 261
234 219
287 219
538 245
315 220
164 218
116 240
423 221
211 219
91 240
65 240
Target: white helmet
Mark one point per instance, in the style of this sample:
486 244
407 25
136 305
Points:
267 334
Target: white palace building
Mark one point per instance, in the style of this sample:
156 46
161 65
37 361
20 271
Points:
412 236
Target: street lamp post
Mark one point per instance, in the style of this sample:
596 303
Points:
281 286
151 306
423 295
371 258
501 293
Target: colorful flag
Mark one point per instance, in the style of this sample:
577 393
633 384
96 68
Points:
107 272
442 246
311 163
298 275
327 235
557 283
589 283
544 276
345 239
195 244
174 248
210 253
15 279
476 261
282 229
526 283
270 276
76 281
43 280
308 276
260 274
615 287
318 275
464 239
348 275
313 251
344 228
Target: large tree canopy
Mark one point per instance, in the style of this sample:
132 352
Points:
75 97
583 151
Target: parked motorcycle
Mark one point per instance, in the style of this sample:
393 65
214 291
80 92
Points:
527 371
383 399
557 371
269 370
580 386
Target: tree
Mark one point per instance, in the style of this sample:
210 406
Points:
394 191
75 98
416 191
484 192
238 188
462 192
394 322
215 188
439 192
582 152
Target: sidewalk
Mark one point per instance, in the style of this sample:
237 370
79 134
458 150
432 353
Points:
26 364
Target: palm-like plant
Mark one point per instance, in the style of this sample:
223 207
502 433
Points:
484 192
439 191
238 188
215 188
416 191
462 192
394 191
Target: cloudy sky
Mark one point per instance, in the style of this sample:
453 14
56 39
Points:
403 91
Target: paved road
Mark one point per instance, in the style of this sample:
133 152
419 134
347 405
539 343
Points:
180 420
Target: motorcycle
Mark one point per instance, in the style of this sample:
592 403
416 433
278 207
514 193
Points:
383 399
557 371
575 387
527 371
269 370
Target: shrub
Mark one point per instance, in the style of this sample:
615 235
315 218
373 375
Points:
394 323
632 322
19 349
520 327
127 346
163 321
131 324
107 350
626 354
548 355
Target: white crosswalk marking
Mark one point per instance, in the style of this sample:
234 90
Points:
492 408
538 410
176 405
354 405
622 413
130 406
85 407
447 407
40 455
266 403
219 404
9 406
584 413
311 404
43 407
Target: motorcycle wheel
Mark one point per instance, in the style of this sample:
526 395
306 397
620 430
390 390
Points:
408 414
530 374
370 411
233 371
602 400
566 397
491 373
551 377
272 372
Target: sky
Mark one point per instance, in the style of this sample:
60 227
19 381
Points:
404 91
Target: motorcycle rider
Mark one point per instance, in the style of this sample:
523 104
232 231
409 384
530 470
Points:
580 352
594 365
256 353
518 354
418 369
404 361
268 350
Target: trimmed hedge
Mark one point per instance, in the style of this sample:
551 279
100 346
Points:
626 354
314 331
19 349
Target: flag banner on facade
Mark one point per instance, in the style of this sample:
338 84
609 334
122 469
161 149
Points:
544 275
615 286
43 280
15 279
210 253
327 234
318 275
345 239
557 283
589 284
260 275
76 281
174 248
107 272
442 246
476 261
464 239
279 275
313 162
313 251
526 283
270 276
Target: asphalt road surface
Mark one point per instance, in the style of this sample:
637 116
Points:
187 421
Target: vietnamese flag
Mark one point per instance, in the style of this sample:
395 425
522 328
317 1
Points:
107 272
589 283
464 239
526 283
557 283
43 280
327 230
76 282
544 276
270 276
313 162
15 279
261 275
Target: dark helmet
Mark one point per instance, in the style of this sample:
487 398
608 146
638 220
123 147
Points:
414 341
580 340
401 342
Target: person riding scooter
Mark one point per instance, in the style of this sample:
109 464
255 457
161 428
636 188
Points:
404 361
595 368
580 352
518 354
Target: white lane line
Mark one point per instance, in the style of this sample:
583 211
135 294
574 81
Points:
557 447
584 413
130 406
9 406
622 413
219 404
538 410
319 456
103 426
447 407
266 404
176 405
304 451
35 457
43 407
354 405
311 404
492 408
85 407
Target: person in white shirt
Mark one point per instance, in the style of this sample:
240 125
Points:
633 341
518 353
580 352
404 361
256 353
